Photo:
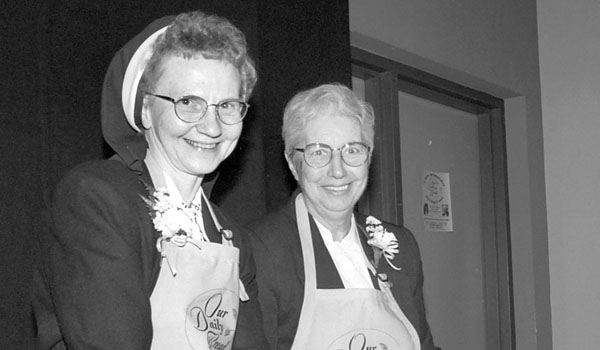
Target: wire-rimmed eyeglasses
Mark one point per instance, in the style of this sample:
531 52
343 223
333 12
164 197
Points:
191 109
318 155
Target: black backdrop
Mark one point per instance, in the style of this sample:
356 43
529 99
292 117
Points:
52 62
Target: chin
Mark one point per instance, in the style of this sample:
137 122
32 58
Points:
204 169
205 165
339 205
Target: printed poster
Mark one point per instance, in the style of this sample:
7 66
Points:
437 206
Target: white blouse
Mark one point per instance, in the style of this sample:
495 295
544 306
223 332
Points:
348 257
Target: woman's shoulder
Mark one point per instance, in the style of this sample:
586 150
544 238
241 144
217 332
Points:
107 169
99 180
281 222
109 172
276 245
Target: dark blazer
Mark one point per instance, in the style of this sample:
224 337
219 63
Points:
280 274
100 264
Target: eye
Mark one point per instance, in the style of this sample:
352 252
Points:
227 105
230 106
355 149
192 103
319 152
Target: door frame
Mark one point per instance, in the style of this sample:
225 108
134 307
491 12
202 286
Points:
383 79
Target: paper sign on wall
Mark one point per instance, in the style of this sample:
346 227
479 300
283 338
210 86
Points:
437 208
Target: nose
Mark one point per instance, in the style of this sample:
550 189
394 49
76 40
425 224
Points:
337 167
210 124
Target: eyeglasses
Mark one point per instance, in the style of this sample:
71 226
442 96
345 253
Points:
191 109
317 155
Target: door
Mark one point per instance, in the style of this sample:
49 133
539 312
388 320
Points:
438 140
423 132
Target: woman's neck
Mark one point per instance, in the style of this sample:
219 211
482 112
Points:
187 185
338 225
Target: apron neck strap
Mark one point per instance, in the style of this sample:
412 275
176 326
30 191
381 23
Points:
310 274
226 235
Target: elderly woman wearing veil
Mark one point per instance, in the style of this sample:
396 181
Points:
138 257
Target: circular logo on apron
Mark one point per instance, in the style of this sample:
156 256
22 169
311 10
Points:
211 320
365 339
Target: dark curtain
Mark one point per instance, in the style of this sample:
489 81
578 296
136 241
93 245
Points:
53 61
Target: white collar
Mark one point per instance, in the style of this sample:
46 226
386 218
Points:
351 237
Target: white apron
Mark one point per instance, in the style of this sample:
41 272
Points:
195 301
347 319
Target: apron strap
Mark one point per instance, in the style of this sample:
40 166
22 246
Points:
226 239
381 278
226 234
310 274
370 265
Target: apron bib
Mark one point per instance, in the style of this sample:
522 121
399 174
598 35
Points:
195 301
347 319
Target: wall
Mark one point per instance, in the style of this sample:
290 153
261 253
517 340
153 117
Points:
490 46
570 77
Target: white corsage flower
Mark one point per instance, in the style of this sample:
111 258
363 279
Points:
382 239
173 219
169 217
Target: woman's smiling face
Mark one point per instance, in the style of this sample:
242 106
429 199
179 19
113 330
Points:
196 148
333 190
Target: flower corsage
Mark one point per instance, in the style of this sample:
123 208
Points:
383 240
173 219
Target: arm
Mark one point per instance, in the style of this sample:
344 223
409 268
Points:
280 274
266 292
413 261
96 277
424 331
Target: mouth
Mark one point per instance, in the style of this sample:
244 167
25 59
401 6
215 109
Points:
201 145
337 189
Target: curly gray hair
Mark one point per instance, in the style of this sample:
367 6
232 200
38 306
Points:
196 34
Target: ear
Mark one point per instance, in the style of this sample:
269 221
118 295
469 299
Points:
146 118
370 157
291 165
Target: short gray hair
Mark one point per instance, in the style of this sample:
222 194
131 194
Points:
306 105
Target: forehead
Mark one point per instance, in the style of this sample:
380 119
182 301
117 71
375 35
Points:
179 74
333 129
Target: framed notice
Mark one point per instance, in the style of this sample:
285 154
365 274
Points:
437 206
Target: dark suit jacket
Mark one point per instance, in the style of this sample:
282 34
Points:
280 274
100 264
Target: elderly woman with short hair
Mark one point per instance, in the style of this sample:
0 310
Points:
330 278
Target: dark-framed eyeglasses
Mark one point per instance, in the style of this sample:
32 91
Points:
318 155
191 109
